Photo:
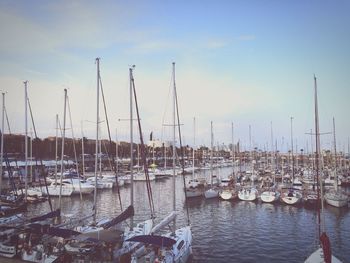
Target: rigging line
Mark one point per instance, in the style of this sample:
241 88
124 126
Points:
143 154
74 149
182 155
7 120
109 159
43 172
110 144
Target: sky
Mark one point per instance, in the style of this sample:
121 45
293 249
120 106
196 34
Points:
250 63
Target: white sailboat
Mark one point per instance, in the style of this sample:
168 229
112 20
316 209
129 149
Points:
145 227
271 194
292 196
176 245
323 253
336 197
213 191
249 193
228 190
194 187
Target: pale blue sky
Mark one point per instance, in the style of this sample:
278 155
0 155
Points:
247 62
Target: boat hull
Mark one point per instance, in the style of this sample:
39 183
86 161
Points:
269 196
247 194
211 193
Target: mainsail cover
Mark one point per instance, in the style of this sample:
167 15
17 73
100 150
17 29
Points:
52 214
52 231
123 216
326 246
160 241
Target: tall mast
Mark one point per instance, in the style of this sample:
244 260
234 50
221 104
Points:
97 133
131 146
272 154
82 149
292 150
319 179
233 151
116 151
194 145
26 138
174 147
211 153
335 158
2 138
56 149
62 151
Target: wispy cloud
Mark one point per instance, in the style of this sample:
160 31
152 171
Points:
216 44
246 38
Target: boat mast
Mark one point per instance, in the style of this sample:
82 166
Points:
251 155
26 138
116 151
319 178
194 144
272 156
292 150
233 151
97 135
56 149
335 159
62 151
82 149
131 146
211 154
174 147
2 138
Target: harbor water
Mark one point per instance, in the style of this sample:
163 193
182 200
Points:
224 231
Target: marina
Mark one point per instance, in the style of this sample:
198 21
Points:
280 231
174 131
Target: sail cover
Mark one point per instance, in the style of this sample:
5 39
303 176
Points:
160 241
55 213
53 231
123 216
326 246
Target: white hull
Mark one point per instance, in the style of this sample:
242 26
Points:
291 198
7 251
227 195
193 192
142 177
248 194
101 183
318 257
55 191
269 196
144 228
176 254
83 187
336 199
211 193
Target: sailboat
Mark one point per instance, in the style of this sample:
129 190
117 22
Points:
336 197
194 187
213 191
176 245
228 191
271 194
145 227
323 253
292 196
249 193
